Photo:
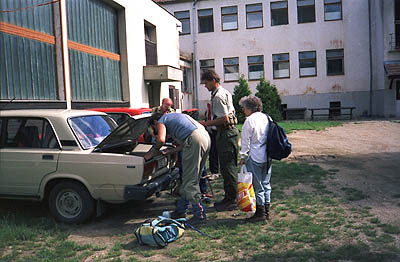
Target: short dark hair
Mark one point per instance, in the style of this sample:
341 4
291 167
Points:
252 103
155 117
210 75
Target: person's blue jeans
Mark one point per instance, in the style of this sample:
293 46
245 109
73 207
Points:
261 178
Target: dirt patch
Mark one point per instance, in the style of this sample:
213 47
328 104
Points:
360 155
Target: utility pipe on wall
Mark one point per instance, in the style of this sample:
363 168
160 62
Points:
370 59
196 93
64 44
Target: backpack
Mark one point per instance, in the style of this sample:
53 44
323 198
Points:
159 232
278 145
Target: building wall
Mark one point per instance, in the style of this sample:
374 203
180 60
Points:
136 12
132 16
351 33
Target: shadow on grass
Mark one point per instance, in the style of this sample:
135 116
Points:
350 252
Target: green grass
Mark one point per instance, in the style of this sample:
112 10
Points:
290 126
307 223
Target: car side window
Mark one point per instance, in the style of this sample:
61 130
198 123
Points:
30 133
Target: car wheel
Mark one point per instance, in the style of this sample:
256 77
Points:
70 202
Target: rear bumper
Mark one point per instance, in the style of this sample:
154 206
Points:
141 192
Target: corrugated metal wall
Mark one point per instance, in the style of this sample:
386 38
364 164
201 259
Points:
27 67
93 76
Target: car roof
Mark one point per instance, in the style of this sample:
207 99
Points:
128 110
58 113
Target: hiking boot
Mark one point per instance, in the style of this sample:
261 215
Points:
267 210
260 215
175 214
226 205
196 221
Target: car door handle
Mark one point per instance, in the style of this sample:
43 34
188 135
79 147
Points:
47 157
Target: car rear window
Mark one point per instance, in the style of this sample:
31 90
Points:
91 130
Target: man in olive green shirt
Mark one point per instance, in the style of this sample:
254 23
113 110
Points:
223 117
165 107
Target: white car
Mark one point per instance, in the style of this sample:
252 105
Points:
75 160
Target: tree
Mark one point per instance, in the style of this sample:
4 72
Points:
241 90
270 98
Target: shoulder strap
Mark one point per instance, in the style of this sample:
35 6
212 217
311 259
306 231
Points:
179 222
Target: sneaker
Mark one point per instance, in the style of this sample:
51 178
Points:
226 205
196 221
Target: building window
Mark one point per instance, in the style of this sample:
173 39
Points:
280 63
207 64
307 63
397 23
150 44
184 17
305 11
335 62
333 10
279 13
187 77
256 67
231 69
397 89
206 21
254 16
174 95
229 18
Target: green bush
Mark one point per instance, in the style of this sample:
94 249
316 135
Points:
241 90
270 98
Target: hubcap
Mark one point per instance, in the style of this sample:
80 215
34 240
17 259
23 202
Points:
69 204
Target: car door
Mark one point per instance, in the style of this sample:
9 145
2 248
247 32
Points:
29 150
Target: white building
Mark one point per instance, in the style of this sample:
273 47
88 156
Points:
319 54
88 53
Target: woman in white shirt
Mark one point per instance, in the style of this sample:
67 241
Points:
253 154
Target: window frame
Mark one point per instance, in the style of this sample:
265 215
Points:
308 59
334 58
396 24
254 12
338 2
204 17
280 62
299 8
230 14
231 65
207 67
287 12
253 64
25 119
187 83
183 19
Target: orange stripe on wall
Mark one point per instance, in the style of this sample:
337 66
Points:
93 50
42 37
28 33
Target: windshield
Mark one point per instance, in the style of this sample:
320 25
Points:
91 130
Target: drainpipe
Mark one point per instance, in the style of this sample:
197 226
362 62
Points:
64 44
370 60
195 53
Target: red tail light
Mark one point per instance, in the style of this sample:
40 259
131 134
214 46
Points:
150 168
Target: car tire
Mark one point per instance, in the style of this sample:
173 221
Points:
71 203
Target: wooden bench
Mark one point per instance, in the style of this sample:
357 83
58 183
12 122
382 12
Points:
294 113
333 112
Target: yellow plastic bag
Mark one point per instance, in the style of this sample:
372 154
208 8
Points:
246 199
